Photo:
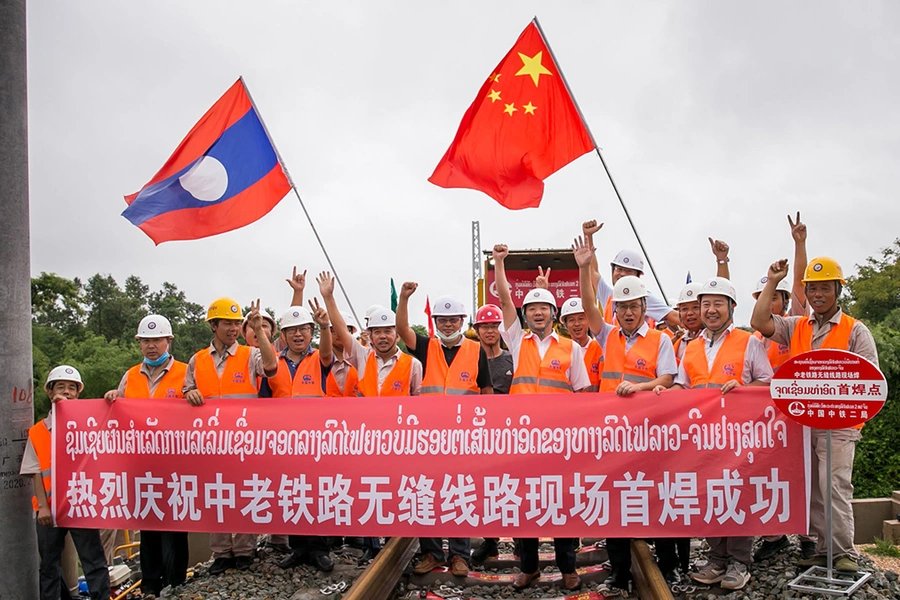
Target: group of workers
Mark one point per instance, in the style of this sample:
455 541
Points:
636 343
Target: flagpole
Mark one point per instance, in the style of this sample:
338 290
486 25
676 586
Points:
537 24
299 199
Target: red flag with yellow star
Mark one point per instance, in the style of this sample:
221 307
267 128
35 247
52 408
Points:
522 128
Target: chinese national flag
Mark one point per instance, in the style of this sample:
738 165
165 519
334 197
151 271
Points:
522 127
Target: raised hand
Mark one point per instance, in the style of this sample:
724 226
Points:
408 289
297 280
589 228
254 318
583 252
326 284
778 270
501 251
798 229
319 314
719 248
543 279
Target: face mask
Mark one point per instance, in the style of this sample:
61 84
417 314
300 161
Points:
447 338
158 361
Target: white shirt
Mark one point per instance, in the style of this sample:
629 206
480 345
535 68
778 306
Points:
665 359
656 308
576 373
756 363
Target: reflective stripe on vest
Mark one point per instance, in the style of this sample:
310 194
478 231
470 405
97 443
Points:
728 363
395 384
638 365
778 354
593 362
169 386
40 439
547 375
456 379
307 380
236 380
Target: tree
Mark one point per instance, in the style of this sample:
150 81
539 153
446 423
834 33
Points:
57 303
874 294
112 312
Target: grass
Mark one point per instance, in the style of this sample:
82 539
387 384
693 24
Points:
884 548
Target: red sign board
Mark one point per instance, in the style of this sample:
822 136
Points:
563 284
829 389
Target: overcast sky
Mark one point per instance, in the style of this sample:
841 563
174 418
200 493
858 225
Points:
715 118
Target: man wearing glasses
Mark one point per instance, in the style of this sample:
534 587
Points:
453 365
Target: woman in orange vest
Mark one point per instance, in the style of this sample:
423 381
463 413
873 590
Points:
543 363
164 554
226 369
63 383
452 365
723 357
688 307
827 327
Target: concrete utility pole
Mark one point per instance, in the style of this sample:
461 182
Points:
18 540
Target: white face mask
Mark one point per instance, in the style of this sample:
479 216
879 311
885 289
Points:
447 338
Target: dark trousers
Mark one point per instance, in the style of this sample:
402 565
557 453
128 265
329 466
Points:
565 554
619 551
309 545
673 553
164 559
372 542
51 541
455 547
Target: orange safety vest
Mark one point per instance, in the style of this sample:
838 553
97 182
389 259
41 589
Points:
610 317
727 365
536 375
41 442
307 380
351 384
838 337
138 386
638 365
457 379
236 380
778 354
593 362
395 384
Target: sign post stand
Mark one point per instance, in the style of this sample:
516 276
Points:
829 389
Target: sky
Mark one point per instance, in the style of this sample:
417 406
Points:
716 118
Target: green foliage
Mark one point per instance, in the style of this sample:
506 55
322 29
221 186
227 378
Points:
875 291
92 326
884 548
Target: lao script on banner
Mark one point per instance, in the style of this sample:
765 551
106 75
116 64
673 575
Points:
685 463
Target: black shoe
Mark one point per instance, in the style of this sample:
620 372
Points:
769 549
488 549
672 577
294 560
618 580
368 556
220 565
807 549
242 563
322 562
355 542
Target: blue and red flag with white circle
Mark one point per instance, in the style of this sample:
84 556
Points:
224 174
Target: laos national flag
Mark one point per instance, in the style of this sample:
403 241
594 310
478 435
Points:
224 174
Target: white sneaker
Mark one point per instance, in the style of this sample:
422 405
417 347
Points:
709 574
736 577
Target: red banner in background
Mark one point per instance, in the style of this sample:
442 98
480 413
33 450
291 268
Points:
685 463
563 284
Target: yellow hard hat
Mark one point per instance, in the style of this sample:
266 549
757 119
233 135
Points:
224 308
823 268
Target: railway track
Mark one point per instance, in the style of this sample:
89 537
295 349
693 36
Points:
379 580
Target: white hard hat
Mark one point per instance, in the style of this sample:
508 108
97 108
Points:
783 286
295 316
572 306
629 287
448 306
350 321
266 317
154 326
370 310
629 259
64 373
539 295
382 317
689 293
719 286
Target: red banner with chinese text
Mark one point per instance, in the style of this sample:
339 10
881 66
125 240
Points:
563 284
684 463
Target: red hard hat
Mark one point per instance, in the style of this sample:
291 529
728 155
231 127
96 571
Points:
489 313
